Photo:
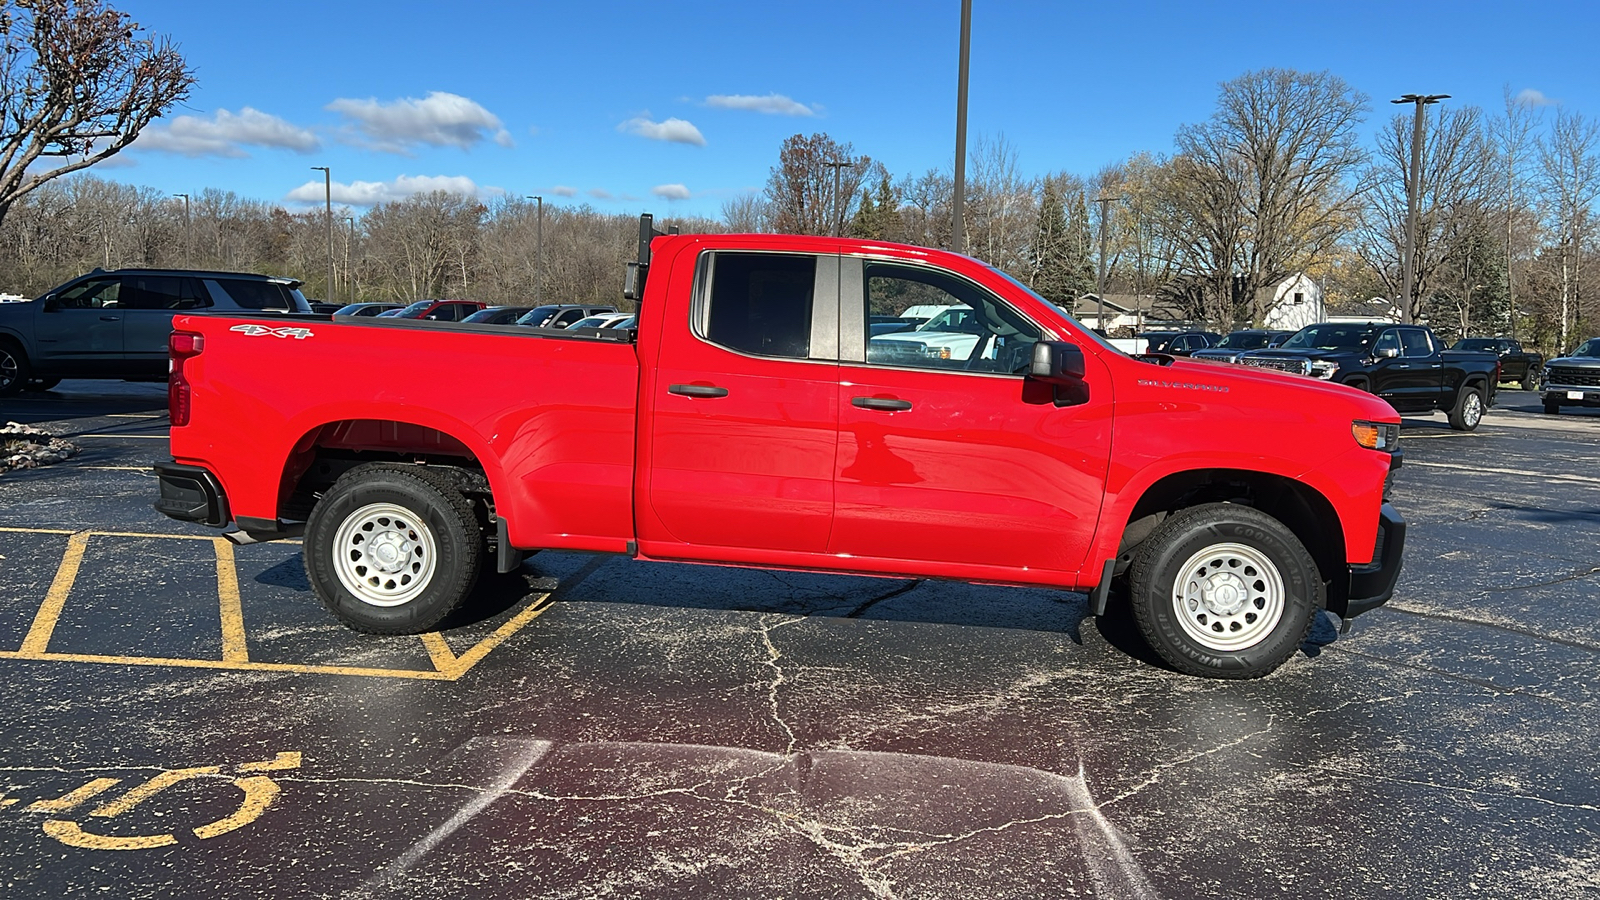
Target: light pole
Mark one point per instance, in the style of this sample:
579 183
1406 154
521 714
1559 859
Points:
958 237
538 252
838 212
1413 199
327 196
349 235
188 234
1100 281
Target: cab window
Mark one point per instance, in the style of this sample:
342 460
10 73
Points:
758 303
96 293
974 332
1389 340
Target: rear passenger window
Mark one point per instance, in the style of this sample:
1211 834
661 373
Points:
252 294
1416 343
759 303
164 292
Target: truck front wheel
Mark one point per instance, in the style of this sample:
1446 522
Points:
1224 591
392 549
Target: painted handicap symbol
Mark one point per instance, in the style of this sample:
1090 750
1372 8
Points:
259 793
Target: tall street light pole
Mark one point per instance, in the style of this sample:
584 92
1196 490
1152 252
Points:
838 208
958 235
327 196
188 234
1413 199
349 236
538 253
1100 282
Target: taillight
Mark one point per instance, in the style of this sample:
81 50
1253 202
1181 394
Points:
180 346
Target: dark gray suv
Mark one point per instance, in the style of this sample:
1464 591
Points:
115 324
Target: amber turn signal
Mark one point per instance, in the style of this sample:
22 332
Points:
1383 436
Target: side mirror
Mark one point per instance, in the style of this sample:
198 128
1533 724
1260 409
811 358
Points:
1386 353
1056 362
51 304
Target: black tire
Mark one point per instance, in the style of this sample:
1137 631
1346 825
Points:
428 560
41 384
1360 384
1530 380
1264 591
14 369
1552 407
1468 411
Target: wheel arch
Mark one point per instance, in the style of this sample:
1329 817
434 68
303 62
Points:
1302 509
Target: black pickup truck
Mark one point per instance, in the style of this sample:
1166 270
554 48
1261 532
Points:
1406 365
1516 364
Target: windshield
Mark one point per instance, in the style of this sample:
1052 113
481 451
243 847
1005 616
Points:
1330 337
949 320
1590 347
1067 317
415 310
1244 340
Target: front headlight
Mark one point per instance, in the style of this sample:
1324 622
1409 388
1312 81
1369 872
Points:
1384 436
1323 368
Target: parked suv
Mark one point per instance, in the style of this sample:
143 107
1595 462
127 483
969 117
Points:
115 324
436 310
560 315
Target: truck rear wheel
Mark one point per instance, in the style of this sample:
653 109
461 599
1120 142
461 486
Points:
392 549
1224 591
1468 411
14 369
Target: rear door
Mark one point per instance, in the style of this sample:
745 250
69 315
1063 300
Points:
961 460
78 331
745 420
150 302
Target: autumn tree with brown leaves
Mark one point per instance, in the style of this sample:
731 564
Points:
79 81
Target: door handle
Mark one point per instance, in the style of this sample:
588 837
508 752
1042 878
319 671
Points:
111 318
697 390
882 403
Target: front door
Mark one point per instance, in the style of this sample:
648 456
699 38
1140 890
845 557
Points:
150 302
744 422
78 331
954 456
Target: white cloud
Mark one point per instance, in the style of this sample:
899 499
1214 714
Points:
671 192
439 119
562 190
601 194
226 134
676 131
1531 97
771 104
371 193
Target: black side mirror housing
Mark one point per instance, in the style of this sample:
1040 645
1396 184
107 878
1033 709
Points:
1056 362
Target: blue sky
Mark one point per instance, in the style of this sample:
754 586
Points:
677 107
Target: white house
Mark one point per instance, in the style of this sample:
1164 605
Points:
1296 302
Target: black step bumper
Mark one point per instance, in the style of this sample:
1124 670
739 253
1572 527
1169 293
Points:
191 494
1372 585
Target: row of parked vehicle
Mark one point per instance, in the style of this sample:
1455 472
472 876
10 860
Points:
550 315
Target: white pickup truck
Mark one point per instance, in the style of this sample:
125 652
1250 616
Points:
949 334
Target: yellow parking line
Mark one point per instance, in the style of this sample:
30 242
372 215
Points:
422 674
481 649
44 622
234 648
444 659
12 530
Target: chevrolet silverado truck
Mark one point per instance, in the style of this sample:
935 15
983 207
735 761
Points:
743 422
1572 380
1406 365
1516 364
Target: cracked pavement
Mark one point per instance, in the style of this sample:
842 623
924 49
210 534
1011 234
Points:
687 731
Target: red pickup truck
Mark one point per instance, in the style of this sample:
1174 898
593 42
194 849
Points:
749 420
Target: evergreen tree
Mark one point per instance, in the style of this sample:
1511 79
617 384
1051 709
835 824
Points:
866 224
1052 275
1080 258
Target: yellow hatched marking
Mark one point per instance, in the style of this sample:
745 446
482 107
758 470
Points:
68 801
44 622
234 648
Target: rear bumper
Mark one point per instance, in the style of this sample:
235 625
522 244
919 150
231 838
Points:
191 494
1372 585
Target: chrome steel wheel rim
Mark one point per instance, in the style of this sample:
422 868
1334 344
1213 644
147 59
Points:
1228 597
1472 413
385 554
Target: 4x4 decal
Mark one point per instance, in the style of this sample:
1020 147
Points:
298 334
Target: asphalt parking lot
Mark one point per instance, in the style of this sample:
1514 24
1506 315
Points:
183 719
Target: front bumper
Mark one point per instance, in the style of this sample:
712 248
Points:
1372 585
191 494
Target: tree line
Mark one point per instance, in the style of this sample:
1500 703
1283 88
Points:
1276 182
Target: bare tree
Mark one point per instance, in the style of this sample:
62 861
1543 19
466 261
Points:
801 187
746 214
1265 187
1001 208
1452 202
1513 138
417 242
1569 177
77 79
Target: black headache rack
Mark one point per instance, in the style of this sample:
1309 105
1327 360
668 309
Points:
633 281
